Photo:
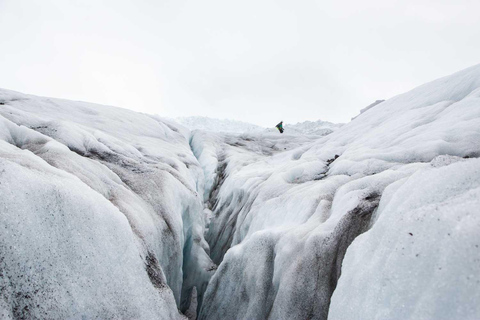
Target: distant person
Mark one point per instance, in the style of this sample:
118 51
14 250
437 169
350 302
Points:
280 126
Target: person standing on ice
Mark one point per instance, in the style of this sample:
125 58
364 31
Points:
280 126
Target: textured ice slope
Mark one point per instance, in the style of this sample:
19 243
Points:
421 259
406 171
100 212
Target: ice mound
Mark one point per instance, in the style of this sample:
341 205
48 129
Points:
101 212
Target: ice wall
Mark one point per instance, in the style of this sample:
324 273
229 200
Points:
421 258
282 221
106 198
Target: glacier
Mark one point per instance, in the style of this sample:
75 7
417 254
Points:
109 213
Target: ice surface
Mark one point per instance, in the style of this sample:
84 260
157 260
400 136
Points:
421 259
282 223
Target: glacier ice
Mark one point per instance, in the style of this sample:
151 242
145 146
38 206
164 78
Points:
421 258
67 252
68 157
108 213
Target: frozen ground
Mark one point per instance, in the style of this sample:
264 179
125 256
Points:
108 213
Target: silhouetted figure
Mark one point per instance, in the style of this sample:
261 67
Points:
280 126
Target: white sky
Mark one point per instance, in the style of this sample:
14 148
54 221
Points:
258 61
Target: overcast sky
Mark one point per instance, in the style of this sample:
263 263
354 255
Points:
258 61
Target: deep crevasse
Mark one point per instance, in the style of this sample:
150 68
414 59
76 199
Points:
406 170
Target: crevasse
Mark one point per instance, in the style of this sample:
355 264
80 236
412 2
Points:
288 212
108 213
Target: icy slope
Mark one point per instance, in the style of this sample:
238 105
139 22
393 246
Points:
101 212
405 171
370 106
